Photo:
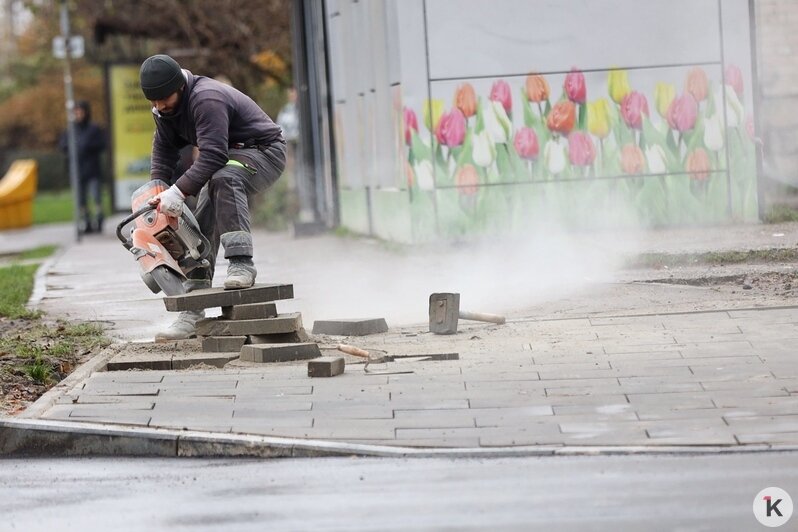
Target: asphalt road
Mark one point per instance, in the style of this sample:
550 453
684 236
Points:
651 493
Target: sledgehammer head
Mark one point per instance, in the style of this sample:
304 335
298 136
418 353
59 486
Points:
444 311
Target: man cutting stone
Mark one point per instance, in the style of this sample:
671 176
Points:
241 152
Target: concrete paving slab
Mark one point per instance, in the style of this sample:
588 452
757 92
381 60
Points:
265 353
327 366
350 327
218 297
155 361
223 344
283 323
250 311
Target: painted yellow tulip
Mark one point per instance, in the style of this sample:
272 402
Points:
435 107
664 94
598 118
618 85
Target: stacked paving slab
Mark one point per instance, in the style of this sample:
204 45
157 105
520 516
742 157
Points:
249 323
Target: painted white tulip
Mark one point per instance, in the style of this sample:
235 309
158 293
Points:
735 114
555 156
484 152
713 132
424 175
497 123
655 157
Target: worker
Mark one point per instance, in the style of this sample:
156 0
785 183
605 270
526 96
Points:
241 152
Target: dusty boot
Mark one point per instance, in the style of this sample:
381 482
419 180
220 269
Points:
241 273
185 326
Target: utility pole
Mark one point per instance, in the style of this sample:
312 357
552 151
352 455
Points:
70 111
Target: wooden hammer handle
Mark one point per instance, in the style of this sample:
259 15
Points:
481 316
352 350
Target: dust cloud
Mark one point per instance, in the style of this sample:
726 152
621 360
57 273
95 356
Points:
510 273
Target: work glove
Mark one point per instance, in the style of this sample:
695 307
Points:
170 200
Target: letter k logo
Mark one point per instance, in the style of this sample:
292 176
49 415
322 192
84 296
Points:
772 506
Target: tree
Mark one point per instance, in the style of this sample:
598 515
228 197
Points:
243 39
247 41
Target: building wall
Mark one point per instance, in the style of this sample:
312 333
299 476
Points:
777 44
398 66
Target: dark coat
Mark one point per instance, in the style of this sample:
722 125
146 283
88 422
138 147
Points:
214 117
91 142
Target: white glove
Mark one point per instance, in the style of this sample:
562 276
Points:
170 200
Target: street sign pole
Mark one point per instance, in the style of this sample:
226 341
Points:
74 183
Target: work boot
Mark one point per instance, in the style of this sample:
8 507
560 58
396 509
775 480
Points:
185 326
241 273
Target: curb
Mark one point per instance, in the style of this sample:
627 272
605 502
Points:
40 279
33 437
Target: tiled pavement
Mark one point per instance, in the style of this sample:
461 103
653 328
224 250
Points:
715 378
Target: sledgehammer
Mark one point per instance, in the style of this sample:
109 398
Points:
444 311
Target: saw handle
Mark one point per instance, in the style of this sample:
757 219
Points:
352 350
481 316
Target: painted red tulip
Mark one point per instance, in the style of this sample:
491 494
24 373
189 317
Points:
562 117
451 128
575 86
411 124
683 113
526 143
633 106
500 92
698 165
467 180
734 77
633 161
581 150
697 84
465 99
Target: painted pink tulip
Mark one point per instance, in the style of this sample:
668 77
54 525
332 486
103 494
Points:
633 161
452 128
633 106
500 92
734 78
581 150
683 113
411 124
526 143
575 86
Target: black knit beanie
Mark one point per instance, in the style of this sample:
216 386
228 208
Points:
160 76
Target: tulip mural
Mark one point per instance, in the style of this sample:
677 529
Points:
673 153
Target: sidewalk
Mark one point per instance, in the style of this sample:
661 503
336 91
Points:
584 360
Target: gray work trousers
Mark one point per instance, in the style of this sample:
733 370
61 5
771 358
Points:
223 204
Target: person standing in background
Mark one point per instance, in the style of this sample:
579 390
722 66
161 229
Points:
91 142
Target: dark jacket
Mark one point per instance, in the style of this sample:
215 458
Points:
90 141
212 116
